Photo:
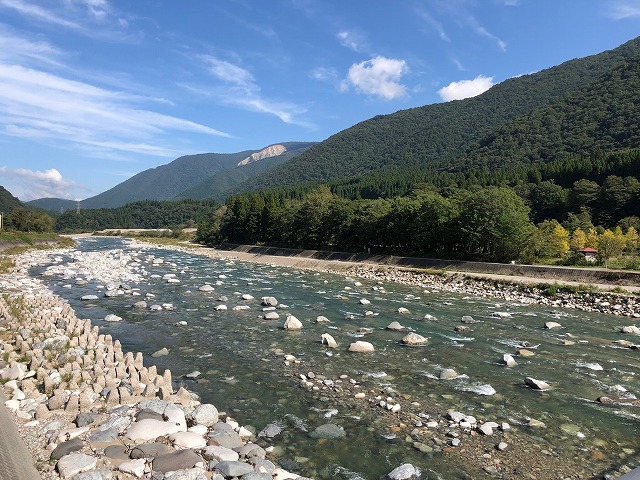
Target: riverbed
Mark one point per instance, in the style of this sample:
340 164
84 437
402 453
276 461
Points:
260 373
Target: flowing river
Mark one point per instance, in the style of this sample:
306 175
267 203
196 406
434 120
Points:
244 372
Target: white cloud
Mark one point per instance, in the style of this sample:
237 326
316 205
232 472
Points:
240 89
622 10
46 107
29 184
378 77
351 39
465 88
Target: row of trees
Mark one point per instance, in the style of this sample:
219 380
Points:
143 214
28 220
488 224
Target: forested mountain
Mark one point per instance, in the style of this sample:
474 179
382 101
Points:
443 137
166 181
220 184
8 202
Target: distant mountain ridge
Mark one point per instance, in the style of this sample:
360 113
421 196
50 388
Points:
170 181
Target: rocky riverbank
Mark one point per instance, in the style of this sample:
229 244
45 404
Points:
87 410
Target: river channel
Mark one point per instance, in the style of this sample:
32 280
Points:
244 372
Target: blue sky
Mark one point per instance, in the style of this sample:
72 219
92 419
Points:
95 91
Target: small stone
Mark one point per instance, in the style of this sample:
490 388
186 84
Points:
523 352
204 414
448 374
404 472
187 440
233 469
65 448
502 446
160 353
536 384
328 340
133 467
179 460
328 431
551 325
221 454
75 463
485 429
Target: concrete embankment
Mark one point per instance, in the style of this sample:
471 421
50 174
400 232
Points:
542 272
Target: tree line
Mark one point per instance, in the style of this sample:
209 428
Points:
483 223
143 214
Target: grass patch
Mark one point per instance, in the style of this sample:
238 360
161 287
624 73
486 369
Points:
6 264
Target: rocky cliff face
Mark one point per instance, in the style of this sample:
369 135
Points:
270 151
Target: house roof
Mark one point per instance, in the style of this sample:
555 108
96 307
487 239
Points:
588 250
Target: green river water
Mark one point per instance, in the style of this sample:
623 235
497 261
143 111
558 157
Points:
241 374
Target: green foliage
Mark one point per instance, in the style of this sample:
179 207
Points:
488 223
148 214
8 202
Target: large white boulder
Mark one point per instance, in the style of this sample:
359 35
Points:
361 347
329 341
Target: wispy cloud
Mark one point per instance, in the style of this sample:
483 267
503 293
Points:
15 48
92 18
433 23
352 40
239 88
326 74
480 30
465 88
46 107
29 184
459 12
378 77
622 10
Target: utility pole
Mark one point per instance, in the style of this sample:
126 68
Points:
1 214
78 207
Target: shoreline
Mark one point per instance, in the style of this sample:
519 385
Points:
87 410
477 445
505 288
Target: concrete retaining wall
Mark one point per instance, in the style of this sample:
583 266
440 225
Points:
545 273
